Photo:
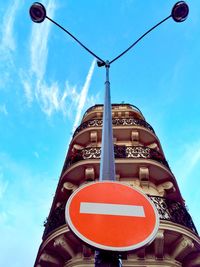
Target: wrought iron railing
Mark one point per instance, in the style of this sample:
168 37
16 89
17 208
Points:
168 210
136 152
55 220
115 122
171 210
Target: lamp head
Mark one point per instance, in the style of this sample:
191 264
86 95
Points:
37 12
100 63
180 11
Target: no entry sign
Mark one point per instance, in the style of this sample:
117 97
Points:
112 216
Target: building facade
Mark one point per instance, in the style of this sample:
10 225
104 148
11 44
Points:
140 162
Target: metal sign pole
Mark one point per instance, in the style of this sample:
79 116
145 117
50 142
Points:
107 169
107 164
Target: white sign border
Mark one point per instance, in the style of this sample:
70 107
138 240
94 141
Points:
148 240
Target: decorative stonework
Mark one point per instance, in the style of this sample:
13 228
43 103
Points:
114 106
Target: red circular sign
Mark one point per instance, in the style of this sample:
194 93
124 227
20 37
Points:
112 216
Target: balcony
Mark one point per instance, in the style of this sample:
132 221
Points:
168 210
55 220
130 152
115 122
173 211
115 107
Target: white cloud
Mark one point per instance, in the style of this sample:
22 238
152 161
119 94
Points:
83 95
47 96
39 43
3 185
51 96
28 91
3 109
92 99
186 170
195 159
7 40
3 217
188 162
53 99
27 87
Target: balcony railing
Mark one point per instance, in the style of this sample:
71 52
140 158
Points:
168 210
115 122
126 152
171 210
55 220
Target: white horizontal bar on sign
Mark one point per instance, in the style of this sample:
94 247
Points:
112 209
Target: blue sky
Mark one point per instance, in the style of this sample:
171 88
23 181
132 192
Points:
47 82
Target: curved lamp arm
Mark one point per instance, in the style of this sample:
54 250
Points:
38 14
179 13
140 38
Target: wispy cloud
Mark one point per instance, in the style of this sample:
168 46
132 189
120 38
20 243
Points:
3 109
46 95
7 40
186 170
189 161
39 43
195 159
83 95
25 80
52 97
3 184
49 97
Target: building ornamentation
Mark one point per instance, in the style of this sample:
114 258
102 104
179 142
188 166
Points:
115 122
136 152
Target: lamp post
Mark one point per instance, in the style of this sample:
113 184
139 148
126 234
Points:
107 164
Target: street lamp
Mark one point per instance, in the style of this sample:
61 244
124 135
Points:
180 11
38 14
